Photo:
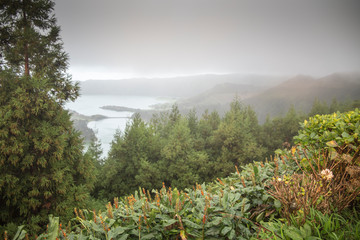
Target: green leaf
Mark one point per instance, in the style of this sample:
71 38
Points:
114 232
345 135
307 229
332 143
96 227
312 135
216 221
232 234
293 233
20 233
277 204
169 222
260 217
124 237
265 197
53 228
148 236
225 230
191 224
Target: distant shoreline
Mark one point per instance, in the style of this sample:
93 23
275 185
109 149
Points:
120 108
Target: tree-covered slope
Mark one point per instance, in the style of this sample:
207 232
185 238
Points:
308 192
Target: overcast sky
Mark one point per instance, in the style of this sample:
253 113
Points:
112 39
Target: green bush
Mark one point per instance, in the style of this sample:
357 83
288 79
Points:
343 128
317 226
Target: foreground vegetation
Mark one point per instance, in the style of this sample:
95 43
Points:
310 191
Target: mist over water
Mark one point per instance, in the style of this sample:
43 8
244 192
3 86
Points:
106 128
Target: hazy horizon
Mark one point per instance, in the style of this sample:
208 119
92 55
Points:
122 39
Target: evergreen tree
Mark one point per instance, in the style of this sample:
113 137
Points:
94 154
42 167
176 163
334 106
237 139
318 107
278 133
208 124
192 122
131 155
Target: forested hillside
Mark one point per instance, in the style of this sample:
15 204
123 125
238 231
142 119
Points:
308 191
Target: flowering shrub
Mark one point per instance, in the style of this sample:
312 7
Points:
298 193
226 209
229 208
329 178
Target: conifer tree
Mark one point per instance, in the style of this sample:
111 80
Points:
318 107
236 137
42 166
94 153
131 160
176 164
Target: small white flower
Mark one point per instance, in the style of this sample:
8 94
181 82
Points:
279 179
327 174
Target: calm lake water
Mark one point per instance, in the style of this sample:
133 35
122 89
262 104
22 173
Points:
105 129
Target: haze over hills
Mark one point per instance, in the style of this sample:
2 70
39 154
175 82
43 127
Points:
268 95
219 97
182 87
271 95
301 91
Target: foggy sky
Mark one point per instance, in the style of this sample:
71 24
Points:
112 39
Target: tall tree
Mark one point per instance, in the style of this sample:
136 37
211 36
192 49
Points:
131 155
237 138
31 45
175 163
42 166
95 155
278 133
318 107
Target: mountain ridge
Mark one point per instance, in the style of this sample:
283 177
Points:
300 91
183 87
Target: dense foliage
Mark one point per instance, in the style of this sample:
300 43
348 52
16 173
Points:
342 128
249 204
182 150
42 167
